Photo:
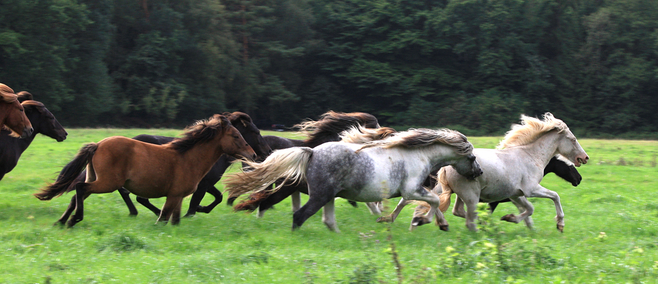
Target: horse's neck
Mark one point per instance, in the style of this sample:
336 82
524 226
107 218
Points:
202 156
435 156
320 138
20 143
543 149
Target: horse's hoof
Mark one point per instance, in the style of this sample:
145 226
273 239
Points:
443 227
419 221
509 218
384 219
189 215
560 228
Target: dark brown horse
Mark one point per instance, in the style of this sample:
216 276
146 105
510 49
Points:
43 121
327 129
172 170
12 114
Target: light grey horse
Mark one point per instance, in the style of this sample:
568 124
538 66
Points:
392 167
513 170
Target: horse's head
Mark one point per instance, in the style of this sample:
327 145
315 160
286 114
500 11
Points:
569 147
232 142
243 123
13 114
564 169
468 166
43 121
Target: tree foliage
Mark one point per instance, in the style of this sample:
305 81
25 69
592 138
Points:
473 65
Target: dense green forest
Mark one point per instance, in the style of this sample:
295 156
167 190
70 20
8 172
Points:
474 65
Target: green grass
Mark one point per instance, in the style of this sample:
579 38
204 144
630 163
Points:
617 198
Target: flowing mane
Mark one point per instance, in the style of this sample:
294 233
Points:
39 105
201 131
236 116
331 123
414 138
359 134
7 94
24 96
530 130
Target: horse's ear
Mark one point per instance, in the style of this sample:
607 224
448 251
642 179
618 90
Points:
244 123
24 96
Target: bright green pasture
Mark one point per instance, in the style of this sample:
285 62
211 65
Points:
611 233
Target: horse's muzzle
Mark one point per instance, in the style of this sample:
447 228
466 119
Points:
27 131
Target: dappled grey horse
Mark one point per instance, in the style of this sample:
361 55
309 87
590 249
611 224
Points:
392 167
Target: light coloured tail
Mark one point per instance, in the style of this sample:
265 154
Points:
446 190
289 164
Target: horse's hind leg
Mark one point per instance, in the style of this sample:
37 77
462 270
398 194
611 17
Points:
276 197
296 200
125 194
315 202
526 209
146 203
62 220
81 193
458 208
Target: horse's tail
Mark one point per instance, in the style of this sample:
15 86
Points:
69 173
289 164
446 190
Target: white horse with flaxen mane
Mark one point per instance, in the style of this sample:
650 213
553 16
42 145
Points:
513 170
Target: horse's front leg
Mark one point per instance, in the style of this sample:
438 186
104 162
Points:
374 207
391 217
171 210
206 209
329 216
547 193
433 200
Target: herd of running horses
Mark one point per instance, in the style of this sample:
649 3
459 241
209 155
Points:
347 155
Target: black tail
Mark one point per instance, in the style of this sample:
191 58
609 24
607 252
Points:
69 173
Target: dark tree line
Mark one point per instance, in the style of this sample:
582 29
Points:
474 65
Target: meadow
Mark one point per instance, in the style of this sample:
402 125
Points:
611 233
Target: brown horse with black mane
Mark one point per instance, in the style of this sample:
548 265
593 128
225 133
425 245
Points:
172 170
12 114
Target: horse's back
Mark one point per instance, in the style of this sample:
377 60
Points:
360 176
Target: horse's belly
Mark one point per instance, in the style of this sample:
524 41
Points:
498 194
370 193
151 189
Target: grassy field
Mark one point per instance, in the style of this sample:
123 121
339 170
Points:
611 233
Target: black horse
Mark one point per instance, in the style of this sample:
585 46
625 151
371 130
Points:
43 121
249 132
327 129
